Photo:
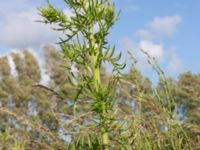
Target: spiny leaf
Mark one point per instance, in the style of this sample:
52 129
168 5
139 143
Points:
117 58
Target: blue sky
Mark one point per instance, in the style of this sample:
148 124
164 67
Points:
168 30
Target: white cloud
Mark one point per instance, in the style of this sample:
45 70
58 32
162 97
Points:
159 27
45 78
153 49
19 30
12 66
166 26
168 57
175 64
18 26
144 34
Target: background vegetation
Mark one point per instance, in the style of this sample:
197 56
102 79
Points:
34 116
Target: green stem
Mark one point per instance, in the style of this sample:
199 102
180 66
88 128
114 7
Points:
96 71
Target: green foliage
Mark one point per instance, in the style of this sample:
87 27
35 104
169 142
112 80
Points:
82 143
7 142
143 125
4 66
92 21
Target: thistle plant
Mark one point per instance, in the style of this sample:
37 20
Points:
85 44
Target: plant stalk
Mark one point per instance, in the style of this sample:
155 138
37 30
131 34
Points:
96 72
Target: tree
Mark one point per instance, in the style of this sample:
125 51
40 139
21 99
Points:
21 101
51 108
189 85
